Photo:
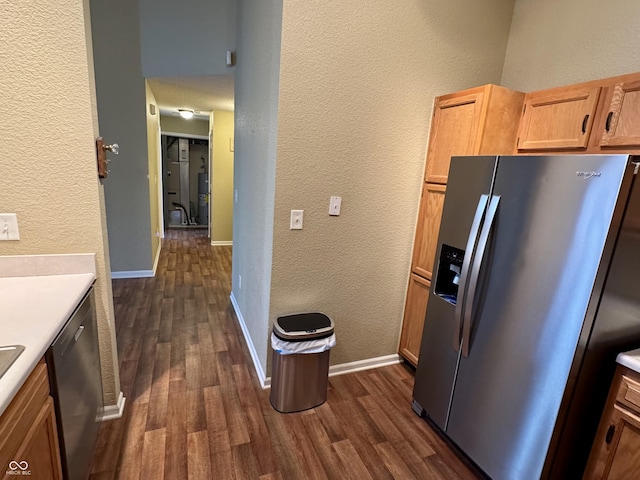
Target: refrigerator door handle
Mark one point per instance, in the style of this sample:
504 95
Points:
475 273
471 244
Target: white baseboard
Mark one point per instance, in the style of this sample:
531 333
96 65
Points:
157 259
140 273
132 274
221 243
340 369
111 412
366 364
357 366
247 338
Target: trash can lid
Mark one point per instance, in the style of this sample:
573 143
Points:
303 326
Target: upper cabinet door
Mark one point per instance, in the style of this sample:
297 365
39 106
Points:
454 131
622 124
558 119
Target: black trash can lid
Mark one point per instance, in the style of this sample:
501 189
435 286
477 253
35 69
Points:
303 326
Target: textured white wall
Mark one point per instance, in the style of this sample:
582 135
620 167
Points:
356 91
121 98
256 123
559 42
186 38
48 170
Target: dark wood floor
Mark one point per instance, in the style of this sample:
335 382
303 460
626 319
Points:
195 409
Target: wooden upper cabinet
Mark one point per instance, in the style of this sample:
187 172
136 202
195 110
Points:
454 132
477 121
558 119
426 241
622 119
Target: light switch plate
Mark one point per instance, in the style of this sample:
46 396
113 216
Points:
334 206
296 219
9 226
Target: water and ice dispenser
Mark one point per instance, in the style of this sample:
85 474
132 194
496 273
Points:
449 268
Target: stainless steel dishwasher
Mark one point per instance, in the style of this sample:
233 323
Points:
74 374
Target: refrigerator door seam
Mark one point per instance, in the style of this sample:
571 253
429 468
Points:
453 388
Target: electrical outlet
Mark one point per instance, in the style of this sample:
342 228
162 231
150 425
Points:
9 226
296 219
334 206
239 282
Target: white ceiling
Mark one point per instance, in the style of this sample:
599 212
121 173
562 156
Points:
201 94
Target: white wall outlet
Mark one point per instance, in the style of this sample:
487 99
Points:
239 282
334 206
235 196
296 219
9 226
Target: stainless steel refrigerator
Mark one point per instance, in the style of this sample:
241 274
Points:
535 290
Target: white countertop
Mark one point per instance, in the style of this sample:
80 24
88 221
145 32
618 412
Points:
33 309
630 360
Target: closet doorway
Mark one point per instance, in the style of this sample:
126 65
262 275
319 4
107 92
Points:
185 175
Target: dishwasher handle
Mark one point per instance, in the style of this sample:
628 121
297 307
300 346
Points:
72 332
78 333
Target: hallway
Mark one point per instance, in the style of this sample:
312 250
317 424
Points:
195 410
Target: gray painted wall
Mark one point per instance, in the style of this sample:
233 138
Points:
256 90
121 101
186 38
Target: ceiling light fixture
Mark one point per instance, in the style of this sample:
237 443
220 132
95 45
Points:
186 114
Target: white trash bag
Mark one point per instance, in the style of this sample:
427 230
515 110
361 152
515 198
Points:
316 345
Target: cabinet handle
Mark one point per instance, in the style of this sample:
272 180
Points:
584 123
608 124
610 433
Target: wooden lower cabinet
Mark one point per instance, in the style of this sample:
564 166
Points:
28 434
414 313
616 451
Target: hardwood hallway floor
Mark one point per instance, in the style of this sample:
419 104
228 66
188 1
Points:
195 409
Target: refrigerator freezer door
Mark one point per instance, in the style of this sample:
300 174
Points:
536 283
433 386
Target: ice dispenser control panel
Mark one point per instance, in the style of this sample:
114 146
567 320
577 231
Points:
449 268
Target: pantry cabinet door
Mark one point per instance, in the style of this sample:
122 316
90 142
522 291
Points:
454 131
427 229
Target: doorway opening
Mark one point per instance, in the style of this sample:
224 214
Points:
185 175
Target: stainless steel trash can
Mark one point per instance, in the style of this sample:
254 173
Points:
299 380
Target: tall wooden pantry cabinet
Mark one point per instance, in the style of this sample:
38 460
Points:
479 121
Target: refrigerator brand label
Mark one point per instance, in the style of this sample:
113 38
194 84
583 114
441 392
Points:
585 175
